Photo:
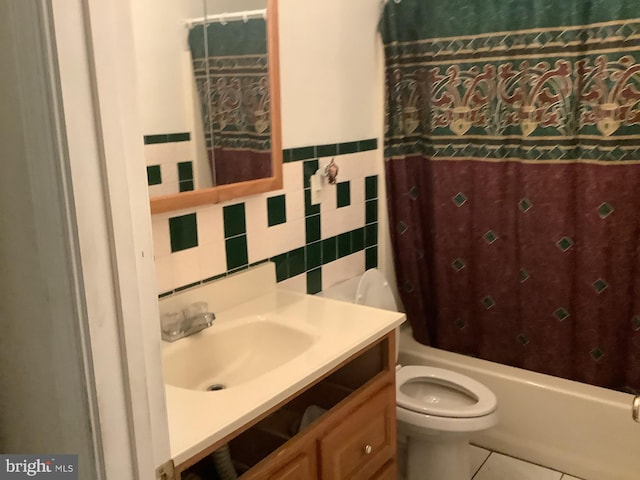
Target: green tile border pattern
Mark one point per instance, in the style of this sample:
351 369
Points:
316 252
167 138
329 150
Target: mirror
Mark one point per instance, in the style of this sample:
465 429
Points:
232 75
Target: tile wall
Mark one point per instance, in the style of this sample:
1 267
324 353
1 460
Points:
169 160
313 246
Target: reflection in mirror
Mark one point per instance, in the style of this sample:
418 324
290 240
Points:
210 100
230 66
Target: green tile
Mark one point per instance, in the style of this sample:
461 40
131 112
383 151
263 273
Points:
314 281
371 211
371 234
282 267
309 167
347 147
344 244
357 240
365 145
371 187
312 228
183 231
185 171
179 137
152 139
186 186
329 250
237 255
186 287
234 220
524 275
154 177
308 208
276 210
166 294
313 255
343 192
296 262
302 153
328 150
214 278
371 258
286 155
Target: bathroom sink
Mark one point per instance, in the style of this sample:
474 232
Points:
224 356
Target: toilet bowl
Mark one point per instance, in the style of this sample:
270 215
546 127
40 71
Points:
437 409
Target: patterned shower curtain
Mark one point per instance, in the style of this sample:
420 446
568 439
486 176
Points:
512 152
230 66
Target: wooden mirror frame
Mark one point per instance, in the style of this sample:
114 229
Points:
221 193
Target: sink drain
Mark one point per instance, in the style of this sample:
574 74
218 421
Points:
215 387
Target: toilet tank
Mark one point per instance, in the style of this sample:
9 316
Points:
370 289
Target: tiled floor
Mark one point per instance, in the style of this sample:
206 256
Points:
488 465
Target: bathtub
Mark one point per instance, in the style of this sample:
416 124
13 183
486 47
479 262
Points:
569 426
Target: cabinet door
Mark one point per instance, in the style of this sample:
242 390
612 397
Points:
366 439
301 467
294 461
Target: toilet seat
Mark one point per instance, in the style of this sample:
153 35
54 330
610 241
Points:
480 401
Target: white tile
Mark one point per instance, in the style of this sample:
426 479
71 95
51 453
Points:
292 176
163 189
184 151
186 267
161 237
342 269
296 284
256 213
295 205
159 153
289 237
169 172
258 245
502 467
213 259
164 274
210 225
477 457
357 190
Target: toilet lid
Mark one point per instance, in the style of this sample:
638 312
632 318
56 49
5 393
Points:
374 291
442 393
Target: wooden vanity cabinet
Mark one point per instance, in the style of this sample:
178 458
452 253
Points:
355 439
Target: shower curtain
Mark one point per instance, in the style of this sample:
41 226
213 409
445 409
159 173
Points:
512 155
230 66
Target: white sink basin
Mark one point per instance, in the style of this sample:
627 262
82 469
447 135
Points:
224 356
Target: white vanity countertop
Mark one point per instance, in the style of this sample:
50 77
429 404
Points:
197 419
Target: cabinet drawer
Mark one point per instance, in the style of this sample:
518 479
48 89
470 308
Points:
298 468
359 447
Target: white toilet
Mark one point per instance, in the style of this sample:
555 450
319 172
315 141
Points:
437 409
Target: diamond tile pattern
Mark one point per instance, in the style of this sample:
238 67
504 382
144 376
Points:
561 314
525 205
564 244
488 302
604 210
460 199
490 237
600 285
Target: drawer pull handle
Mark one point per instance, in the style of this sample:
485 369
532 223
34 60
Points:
368 449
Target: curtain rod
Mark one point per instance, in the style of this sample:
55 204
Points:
223 18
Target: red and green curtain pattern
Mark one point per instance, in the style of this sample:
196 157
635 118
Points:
230 65
512 154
